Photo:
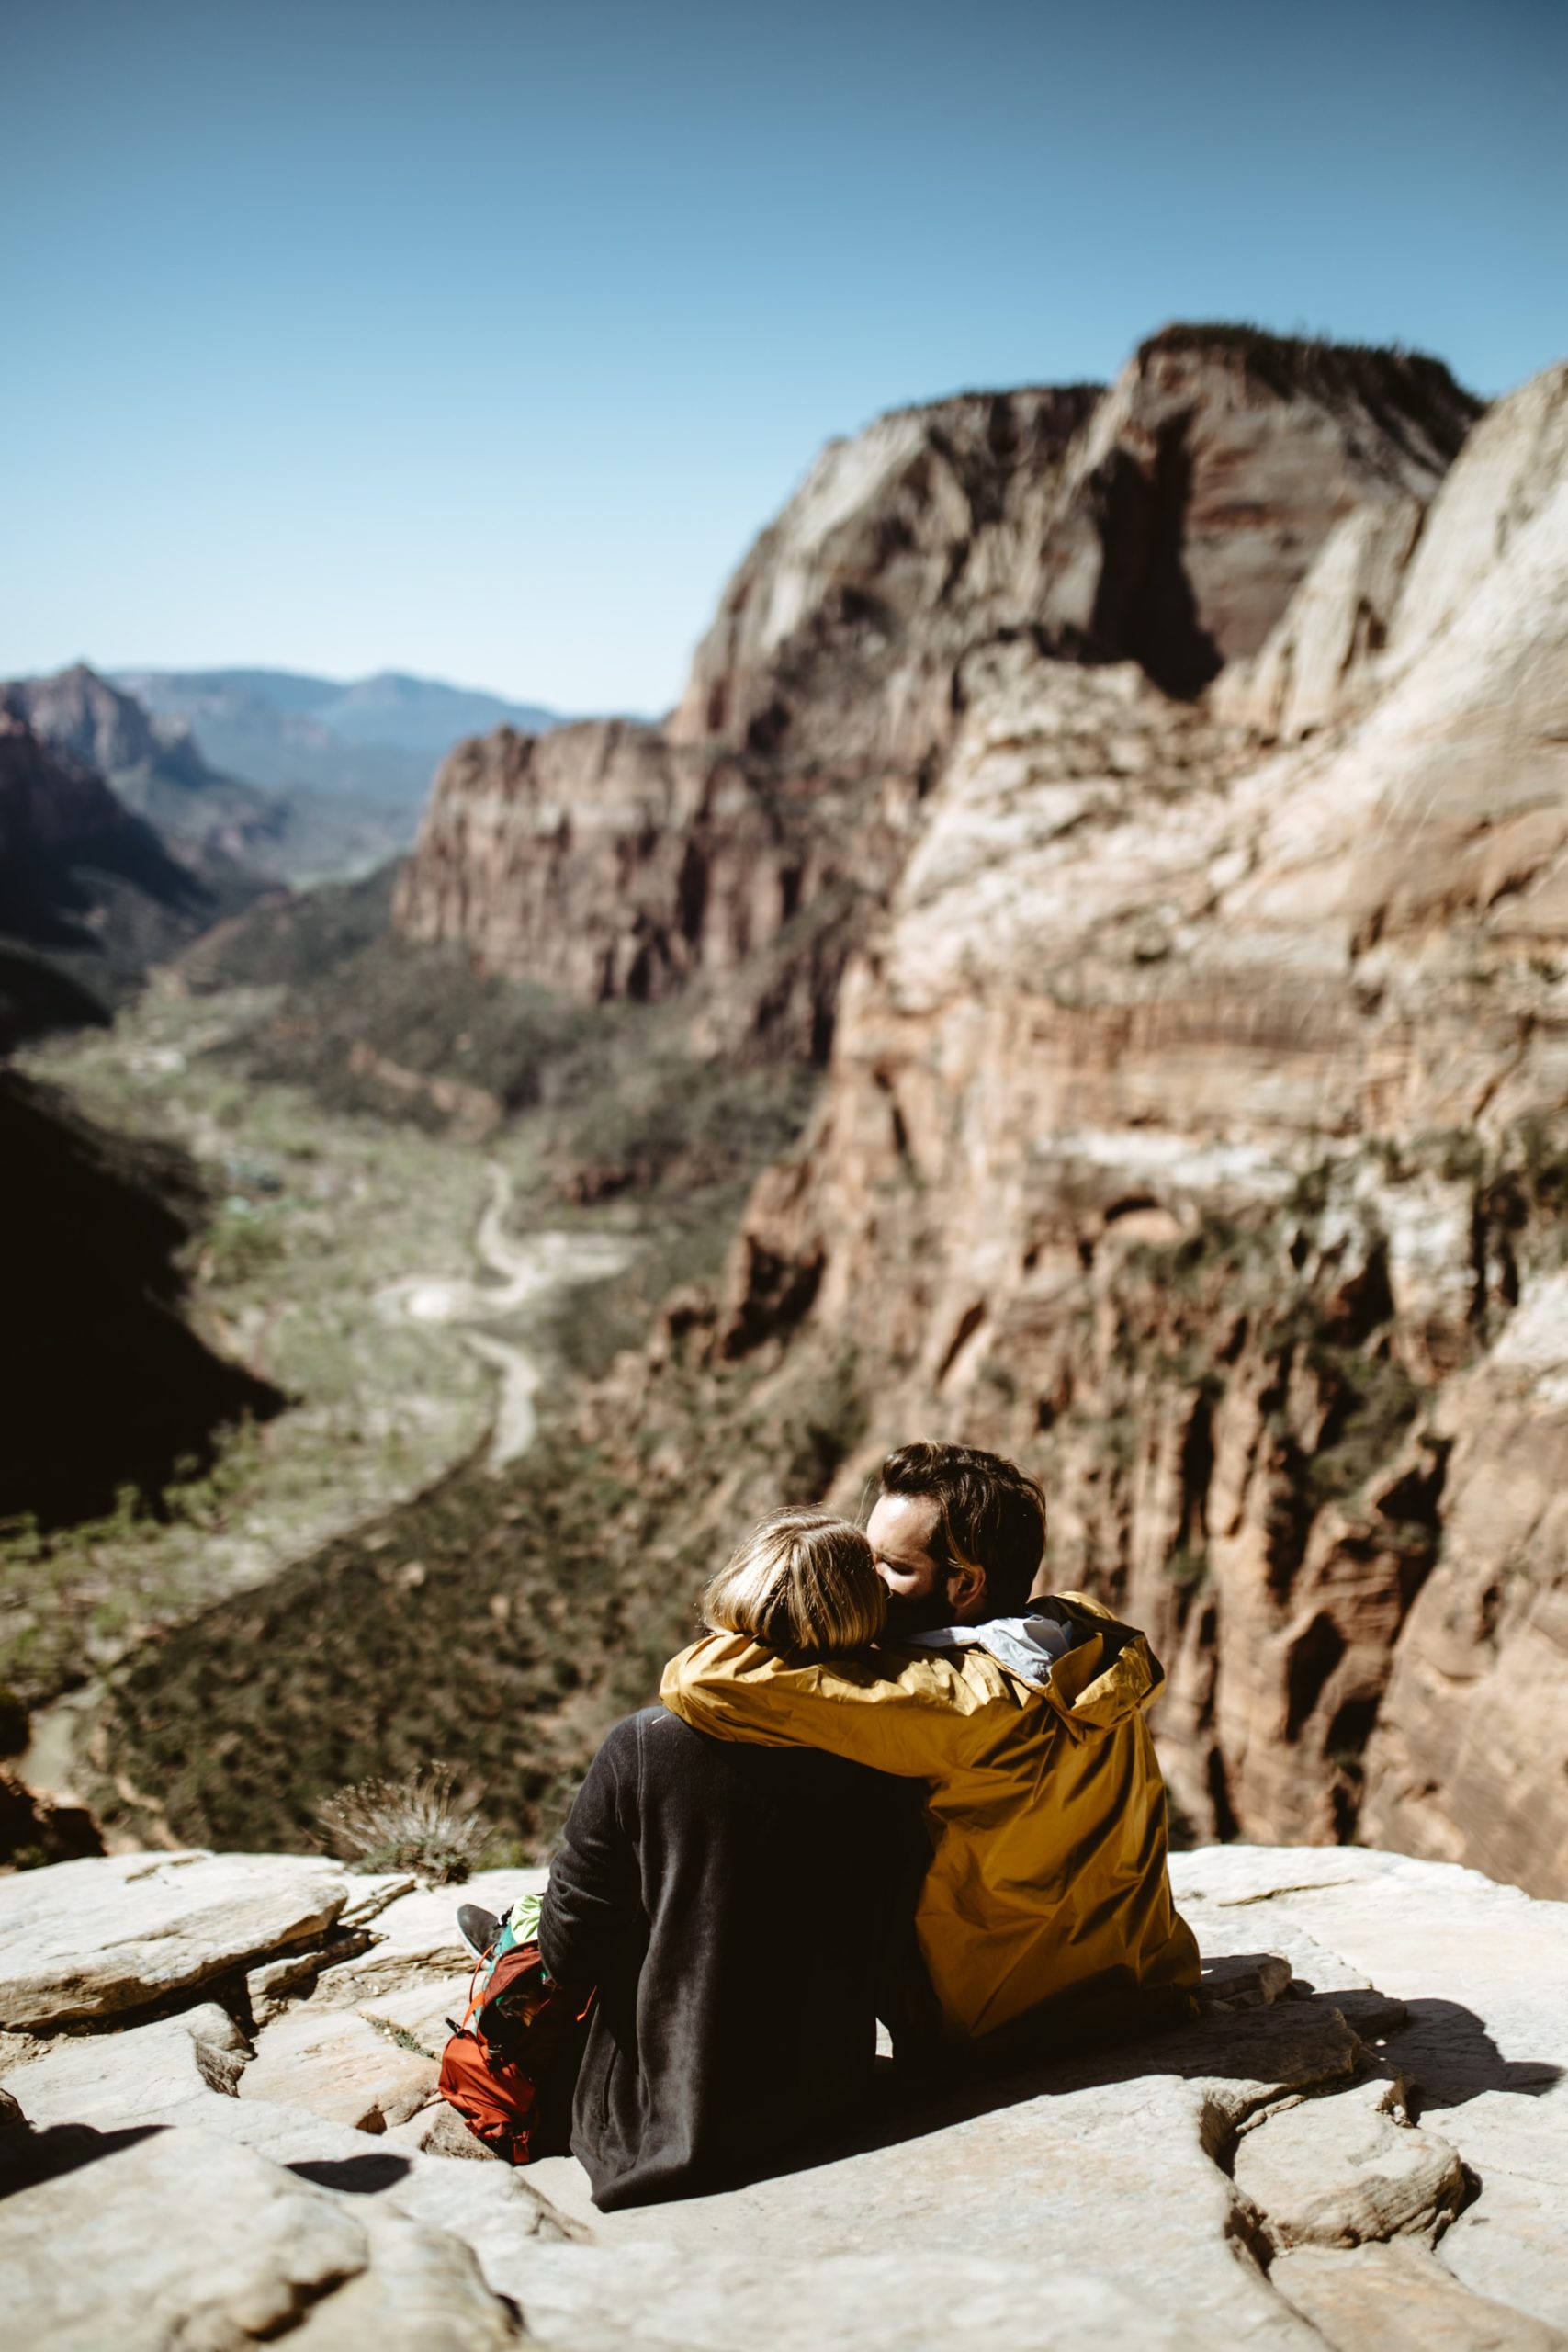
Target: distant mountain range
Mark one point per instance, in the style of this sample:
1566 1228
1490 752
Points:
375 738
159 771
90 892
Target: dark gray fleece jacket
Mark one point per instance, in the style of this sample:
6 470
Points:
737 1907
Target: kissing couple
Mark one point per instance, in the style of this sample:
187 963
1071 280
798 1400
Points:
887 1781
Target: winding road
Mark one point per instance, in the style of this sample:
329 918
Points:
526 1271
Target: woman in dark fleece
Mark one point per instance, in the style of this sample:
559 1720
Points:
736 1906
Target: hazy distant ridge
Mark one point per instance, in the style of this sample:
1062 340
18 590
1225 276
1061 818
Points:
379 736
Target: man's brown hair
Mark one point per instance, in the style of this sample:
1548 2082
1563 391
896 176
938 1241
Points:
990 1515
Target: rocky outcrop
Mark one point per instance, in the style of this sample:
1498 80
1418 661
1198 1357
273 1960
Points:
1166 520
1194 1131
156 768
608 862
1364 2139
87 889
238 834
36 1829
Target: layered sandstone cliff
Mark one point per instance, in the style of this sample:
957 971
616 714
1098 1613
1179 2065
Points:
612 862
1195 1130
1168 519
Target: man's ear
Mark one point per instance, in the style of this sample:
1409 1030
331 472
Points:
965 1589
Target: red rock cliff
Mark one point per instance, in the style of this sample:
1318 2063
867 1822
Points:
1195 1132
1169 519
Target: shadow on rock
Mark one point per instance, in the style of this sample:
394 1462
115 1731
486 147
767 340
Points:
1452 2057
1301 2043
355 2176
28 2157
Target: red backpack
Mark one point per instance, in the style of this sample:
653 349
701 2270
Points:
509 2069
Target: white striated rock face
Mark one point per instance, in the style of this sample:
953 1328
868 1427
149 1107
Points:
1365 2142
1167 521
1180 1089
1393 578
1315 661
1515 460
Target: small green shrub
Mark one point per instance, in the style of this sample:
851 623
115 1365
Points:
1377 1403
242 1243
1188 1566
1119 1436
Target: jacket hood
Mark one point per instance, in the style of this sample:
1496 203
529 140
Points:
1095 1670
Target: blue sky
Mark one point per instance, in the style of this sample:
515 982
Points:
477 340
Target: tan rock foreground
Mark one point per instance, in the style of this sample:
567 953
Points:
1365 2142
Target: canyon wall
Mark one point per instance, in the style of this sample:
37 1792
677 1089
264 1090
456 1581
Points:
1195 1132
609 861
89 892
1168 519
156 768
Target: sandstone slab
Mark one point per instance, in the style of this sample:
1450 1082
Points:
339 2065
1242 1981
1400 2299
1026 2222
1092 2195
115 1932
1349 2171
182 2073
1476 1970
275 1982
186 2240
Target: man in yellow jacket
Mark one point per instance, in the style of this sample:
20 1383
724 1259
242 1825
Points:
1046 1909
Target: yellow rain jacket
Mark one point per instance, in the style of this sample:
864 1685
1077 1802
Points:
1048 1889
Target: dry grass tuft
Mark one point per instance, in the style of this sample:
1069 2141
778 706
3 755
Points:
416 1824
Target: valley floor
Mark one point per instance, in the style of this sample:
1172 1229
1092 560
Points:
366 1268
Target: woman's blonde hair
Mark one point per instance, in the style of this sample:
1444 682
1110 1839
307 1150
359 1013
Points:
803 1582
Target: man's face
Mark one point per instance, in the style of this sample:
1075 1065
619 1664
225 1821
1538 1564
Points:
901 1531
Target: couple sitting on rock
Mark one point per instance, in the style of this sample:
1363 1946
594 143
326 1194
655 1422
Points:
881 1727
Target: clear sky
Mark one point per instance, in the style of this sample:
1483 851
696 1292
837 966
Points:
478 338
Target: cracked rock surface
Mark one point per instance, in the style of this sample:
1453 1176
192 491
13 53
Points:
210 2139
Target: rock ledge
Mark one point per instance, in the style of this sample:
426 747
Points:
219 2127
